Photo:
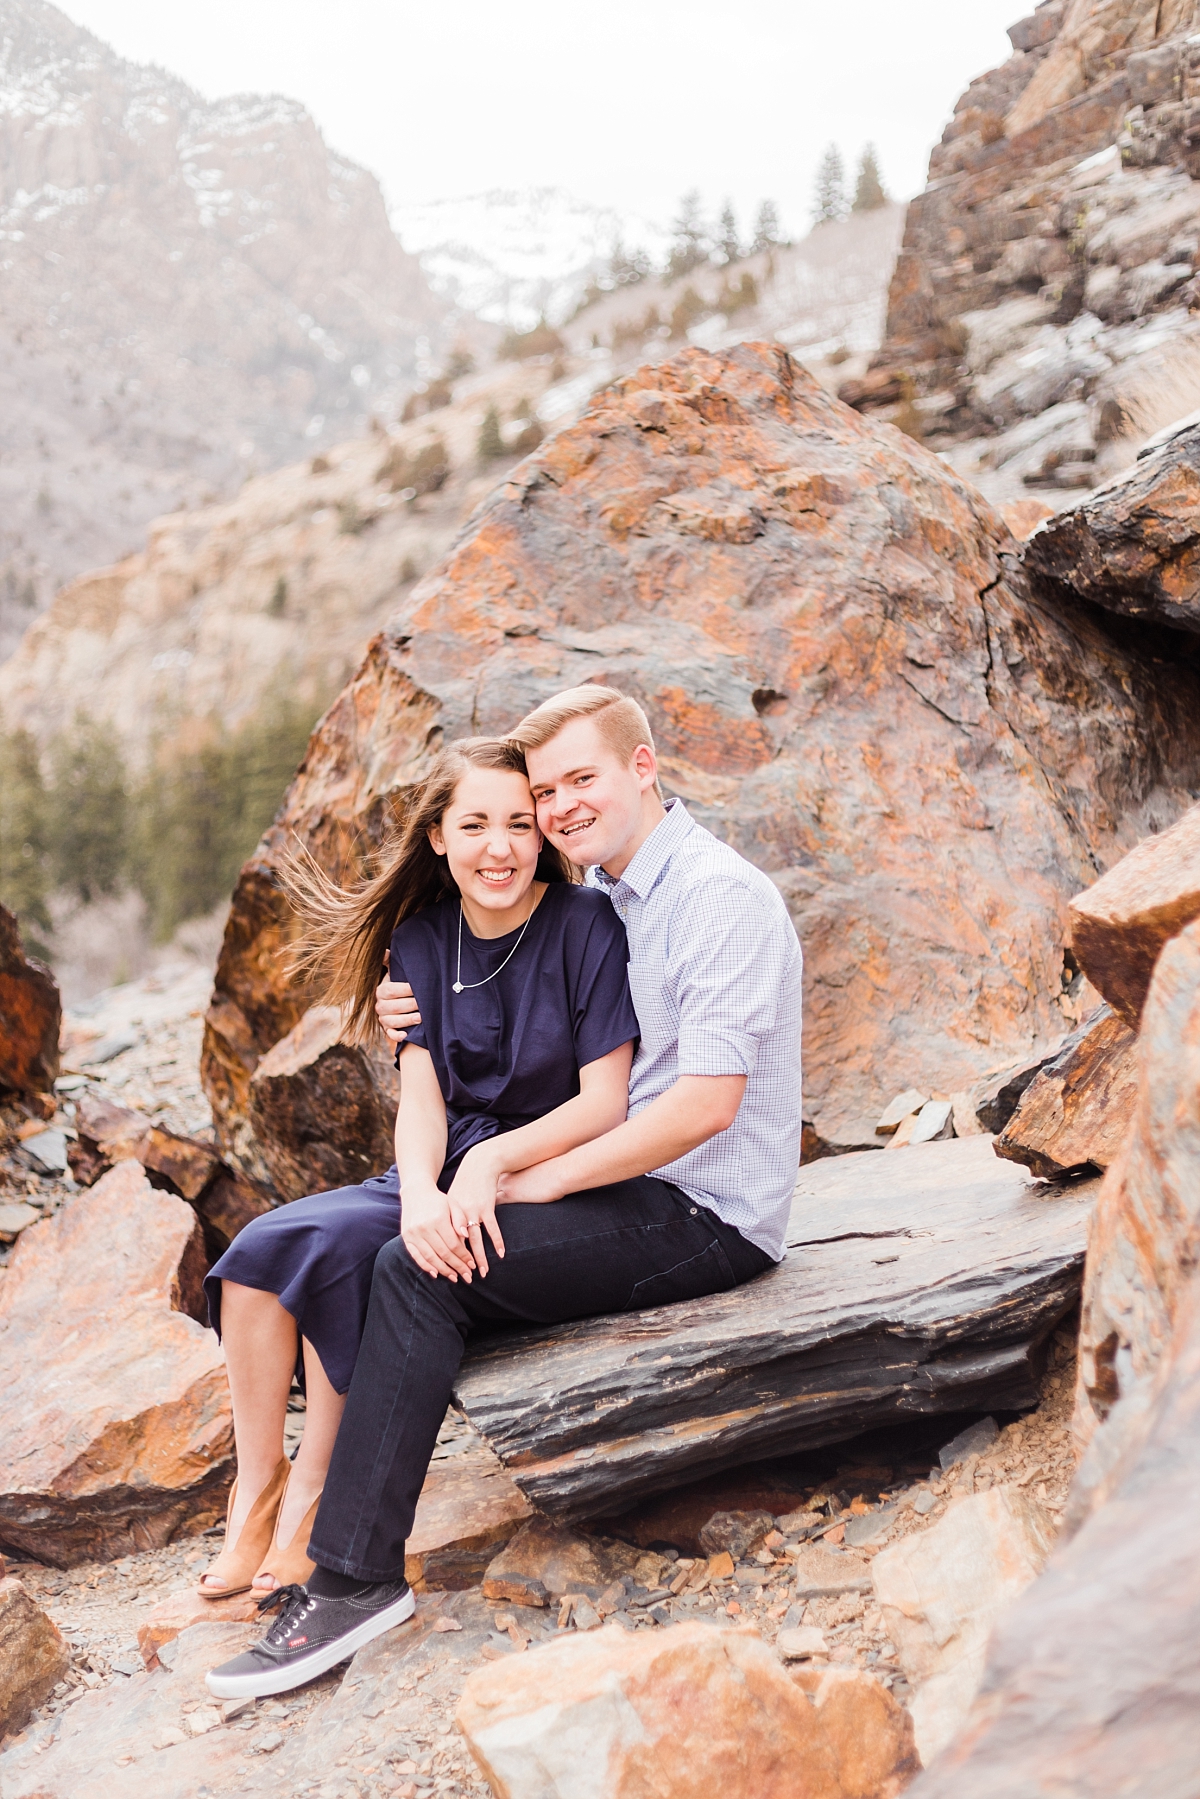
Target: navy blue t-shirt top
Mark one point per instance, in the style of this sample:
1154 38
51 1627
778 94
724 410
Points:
511 1051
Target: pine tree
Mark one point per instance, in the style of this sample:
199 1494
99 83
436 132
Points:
690 248
24 871
766 228
490 443
727 240
869 192
87 811
627 267
829 199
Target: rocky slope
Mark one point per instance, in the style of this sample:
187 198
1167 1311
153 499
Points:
1040 316
849 681
278 589
286 582
192 289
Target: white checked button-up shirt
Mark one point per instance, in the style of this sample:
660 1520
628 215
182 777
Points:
714 968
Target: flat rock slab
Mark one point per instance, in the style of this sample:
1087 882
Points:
920 1282
469 1507
117 1422
159 1735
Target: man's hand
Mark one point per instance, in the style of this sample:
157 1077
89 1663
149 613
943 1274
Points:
430 1237
396 1009
536 1186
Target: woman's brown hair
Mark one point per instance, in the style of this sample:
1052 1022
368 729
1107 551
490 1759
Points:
346 931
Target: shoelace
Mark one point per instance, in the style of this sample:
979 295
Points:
295 1600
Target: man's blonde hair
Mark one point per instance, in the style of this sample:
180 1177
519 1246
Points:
619 720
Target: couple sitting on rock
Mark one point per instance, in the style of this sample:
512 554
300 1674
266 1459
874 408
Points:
544 1170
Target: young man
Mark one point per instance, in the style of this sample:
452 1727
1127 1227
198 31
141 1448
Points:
689 1196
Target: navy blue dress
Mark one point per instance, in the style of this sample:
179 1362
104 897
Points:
505 1054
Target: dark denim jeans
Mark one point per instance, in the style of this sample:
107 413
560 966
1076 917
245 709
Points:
615 1249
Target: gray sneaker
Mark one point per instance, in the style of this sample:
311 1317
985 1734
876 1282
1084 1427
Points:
310 1636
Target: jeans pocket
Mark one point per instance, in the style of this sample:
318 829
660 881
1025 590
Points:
706 1271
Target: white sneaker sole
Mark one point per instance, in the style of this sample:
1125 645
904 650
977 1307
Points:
298 1673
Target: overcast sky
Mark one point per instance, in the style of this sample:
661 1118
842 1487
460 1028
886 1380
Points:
625 103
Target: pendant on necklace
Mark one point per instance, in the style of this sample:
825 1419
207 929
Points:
457 987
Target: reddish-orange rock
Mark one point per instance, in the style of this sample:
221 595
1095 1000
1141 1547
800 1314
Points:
117 1425
30 1016
323 1111
847 679
681 1714
33 1656
469 1505
1077 1109
1119 926
224 1200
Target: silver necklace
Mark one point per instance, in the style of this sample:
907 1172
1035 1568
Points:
459 983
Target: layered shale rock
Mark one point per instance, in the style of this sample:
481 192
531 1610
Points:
118 1428
30 1017
1133 546
1078 1107
848 681
923 1282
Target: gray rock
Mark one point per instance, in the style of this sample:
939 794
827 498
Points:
46 1153
871 1527
972 1441
933 1122
738 1532
109 1048
924 1503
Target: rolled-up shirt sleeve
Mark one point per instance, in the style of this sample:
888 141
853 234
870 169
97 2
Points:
725 965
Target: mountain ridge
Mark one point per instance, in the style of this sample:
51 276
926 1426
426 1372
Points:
194 290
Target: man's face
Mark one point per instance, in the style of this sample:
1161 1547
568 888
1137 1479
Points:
589 803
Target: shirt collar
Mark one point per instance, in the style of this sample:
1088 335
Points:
654 854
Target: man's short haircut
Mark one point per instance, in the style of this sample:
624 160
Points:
620 720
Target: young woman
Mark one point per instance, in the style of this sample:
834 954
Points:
524 1053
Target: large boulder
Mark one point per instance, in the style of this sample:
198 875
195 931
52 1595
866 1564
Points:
30 1017
686 1714
117 1423
848 681
1091 1682
1145 1236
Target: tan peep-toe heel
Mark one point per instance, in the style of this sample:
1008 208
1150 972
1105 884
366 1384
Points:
237 1561
291 1566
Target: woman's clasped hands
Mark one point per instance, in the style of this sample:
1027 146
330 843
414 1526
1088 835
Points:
444 1232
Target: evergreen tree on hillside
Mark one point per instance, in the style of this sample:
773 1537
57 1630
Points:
766 228
869 192
490 443
690 247
24 874
829 198
727 237
87 811
627 267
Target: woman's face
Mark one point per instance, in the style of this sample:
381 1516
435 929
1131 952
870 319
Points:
489 837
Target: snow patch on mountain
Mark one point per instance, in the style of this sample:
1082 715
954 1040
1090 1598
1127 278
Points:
513 256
